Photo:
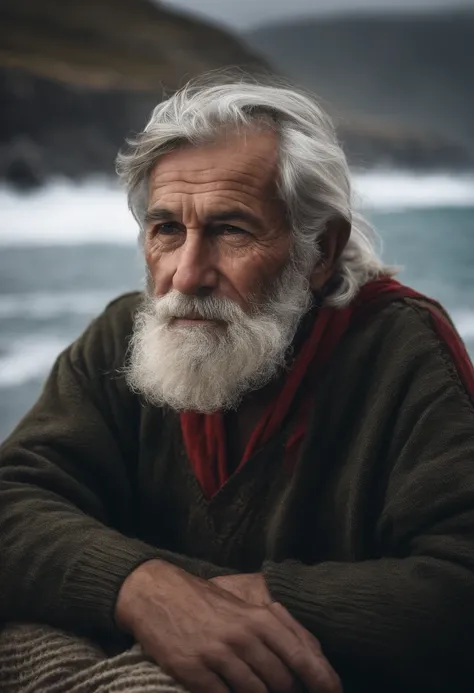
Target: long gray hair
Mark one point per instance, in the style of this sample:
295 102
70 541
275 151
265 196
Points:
314 178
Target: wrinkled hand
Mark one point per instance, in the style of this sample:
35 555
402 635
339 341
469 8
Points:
249 587
212 642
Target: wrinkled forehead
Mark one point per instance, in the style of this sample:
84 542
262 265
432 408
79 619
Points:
246 158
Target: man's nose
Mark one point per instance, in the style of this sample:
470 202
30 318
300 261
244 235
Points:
195 273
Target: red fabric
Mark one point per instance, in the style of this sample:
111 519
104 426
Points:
204 434
456 348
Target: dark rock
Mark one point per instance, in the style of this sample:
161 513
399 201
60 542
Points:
77 77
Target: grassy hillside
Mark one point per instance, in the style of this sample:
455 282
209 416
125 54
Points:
128 44
77 76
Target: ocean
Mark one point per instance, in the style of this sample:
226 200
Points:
67 250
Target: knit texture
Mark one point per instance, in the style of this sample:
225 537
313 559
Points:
204 435
368 541
40 659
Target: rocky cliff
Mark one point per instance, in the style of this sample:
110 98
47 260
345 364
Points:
77 76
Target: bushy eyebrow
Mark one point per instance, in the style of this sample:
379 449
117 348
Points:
160 214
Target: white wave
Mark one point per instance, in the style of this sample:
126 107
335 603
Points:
29 359
464 321
44 305
398 191
64 213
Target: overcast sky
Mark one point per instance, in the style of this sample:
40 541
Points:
242 14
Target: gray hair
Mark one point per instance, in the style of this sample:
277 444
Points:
314 178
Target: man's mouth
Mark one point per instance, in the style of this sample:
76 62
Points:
190 321
193 320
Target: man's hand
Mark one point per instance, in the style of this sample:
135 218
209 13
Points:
212 642
249 587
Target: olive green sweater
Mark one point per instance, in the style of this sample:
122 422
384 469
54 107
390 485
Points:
369 542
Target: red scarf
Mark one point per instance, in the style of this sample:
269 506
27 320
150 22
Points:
204 434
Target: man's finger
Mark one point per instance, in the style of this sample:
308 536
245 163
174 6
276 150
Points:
302 656
194 678
285 617
269 667
239 676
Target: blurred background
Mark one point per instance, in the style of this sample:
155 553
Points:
77 76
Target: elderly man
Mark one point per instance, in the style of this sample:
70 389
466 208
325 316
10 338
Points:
261 468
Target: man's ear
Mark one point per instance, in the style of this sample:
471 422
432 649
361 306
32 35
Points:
332 243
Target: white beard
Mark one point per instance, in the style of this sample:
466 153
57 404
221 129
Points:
207 368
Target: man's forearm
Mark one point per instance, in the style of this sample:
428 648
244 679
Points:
164 566
74 580
195 566
249 587
401 621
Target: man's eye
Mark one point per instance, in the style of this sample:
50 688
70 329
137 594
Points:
232 230
167 228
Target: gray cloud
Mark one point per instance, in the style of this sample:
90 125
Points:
241 14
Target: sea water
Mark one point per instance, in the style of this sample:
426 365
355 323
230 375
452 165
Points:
69 249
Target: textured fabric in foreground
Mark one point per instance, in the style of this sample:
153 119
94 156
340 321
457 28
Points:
39 659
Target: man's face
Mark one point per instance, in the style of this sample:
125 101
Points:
214 225
223 299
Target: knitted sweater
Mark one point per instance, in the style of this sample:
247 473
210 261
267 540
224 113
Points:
368 541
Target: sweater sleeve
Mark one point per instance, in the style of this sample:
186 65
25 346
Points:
404 618
66 495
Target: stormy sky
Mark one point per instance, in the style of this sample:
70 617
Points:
242 14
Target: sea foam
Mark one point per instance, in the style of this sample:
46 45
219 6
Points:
96 211
30 358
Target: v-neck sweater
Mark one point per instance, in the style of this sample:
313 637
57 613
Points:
368 540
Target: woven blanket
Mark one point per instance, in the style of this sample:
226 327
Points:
38 659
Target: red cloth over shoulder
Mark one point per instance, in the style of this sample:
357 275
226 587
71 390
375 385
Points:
204 434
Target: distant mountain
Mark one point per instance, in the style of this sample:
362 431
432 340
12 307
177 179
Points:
76 76
412 72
